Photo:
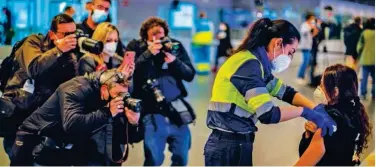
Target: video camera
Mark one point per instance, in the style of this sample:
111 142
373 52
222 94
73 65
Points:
84 43
131 103
169 46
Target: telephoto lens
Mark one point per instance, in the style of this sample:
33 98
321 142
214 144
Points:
84 43
131 103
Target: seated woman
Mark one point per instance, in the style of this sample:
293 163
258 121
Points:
338 92
108 59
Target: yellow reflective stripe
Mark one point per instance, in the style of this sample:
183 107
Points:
202 66
277 87
255 102
203 38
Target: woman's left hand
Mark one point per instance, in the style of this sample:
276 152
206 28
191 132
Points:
310 126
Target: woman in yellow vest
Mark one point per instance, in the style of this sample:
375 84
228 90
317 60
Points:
243 89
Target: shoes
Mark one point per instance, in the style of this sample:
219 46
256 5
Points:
301 81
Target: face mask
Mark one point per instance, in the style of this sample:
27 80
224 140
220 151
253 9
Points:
282 62
110 48
222 27
319 96
99 16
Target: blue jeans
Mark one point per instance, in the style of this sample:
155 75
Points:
228 149
367 70
305 63
8 142
178 138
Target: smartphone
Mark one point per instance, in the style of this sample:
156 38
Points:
128 58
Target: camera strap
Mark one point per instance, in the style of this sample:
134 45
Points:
109 135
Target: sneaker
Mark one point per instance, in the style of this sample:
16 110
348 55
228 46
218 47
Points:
301 81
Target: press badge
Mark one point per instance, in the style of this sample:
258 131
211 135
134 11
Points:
29 86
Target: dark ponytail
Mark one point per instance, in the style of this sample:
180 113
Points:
346 81
364 126
264 30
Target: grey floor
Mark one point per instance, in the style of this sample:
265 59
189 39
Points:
274 144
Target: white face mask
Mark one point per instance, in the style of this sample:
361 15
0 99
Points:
282 62
99 16
319 96
110 48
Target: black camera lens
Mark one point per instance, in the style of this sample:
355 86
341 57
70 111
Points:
131 103
87 44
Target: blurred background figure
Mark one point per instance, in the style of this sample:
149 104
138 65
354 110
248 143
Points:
308 30
366 50
88 8
351 36
314 78
224 48
201 41
7 25
69 10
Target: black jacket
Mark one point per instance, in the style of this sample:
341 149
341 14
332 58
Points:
340 146
149 66
351 37
87 64
76 114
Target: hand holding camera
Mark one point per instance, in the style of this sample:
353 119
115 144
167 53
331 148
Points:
169 58
116 106
132 116
155 47
67 43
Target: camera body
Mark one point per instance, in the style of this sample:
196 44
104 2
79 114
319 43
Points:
152 86
169 46
86 44
131 103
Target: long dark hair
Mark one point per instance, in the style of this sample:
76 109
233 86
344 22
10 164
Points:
346 80
263 30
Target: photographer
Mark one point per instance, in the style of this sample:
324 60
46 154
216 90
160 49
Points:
81 124
108 59
98 14
44 63
169 66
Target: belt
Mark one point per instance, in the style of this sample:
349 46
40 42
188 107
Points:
233 136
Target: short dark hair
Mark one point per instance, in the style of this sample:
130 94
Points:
60 19
264 30
109 1
308 15
370 24
357 20
67 8
150 23
330 8
89 2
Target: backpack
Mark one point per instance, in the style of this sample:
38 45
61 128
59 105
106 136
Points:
10 65
13 99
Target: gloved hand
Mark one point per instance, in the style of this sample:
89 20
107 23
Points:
321 118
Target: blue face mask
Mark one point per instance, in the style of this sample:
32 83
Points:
99 16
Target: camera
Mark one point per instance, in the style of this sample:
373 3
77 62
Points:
169 46
152 85
131 103
84 43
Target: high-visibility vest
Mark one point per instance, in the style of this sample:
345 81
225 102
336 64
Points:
225 93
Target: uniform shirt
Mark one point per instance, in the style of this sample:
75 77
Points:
247 77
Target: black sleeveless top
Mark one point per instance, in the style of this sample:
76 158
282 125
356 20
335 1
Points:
341 145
